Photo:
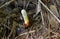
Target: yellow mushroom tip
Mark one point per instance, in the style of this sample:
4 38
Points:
27 24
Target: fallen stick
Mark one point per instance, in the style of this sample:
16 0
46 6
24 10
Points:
7 3
49 10
11 30
6 26
25 33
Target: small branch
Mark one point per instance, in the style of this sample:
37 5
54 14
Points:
25 33
49 10
55 34
11 30
27 4
7 3
42 18
6 26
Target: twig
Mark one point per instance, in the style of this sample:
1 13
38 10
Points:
7 3
27 4
11 30
55 34
25 33
42 18
38 9
49 10
6 26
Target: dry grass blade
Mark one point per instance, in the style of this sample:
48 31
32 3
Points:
6 26
25 33
49 11
11 30
7 3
